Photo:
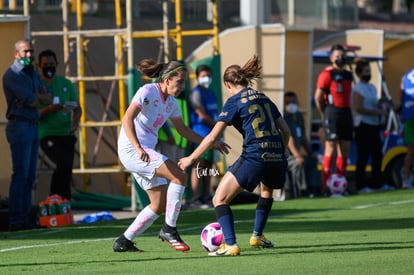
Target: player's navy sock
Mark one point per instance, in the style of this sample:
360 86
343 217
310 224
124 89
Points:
263 208
225 218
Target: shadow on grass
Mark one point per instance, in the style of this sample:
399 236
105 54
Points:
115 228
340 226
299 249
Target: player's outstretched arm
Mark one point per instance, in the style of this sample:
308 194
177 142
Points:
210 141
185 131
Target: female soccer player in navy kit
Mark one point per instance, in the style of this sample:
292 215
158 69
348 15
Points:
263 160
150 107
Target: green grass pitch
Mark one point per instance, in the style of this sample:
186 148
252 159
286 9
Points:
361 234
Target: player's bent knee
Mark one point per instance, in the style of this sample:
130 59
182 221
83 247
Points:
180 178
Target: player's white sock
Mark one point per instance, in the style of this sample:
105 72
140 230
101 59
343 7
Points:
174 200
144 220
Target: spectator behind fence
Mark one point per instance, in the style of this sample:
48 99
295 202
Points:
24 92
302 161
58 124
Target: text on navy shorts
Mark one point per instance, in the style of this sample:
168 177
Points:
249 174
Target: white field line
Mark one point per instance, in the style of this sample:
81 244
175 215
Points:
183 229
51 244
382 204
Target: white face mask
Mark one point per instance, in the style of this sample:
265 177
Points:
292 108
205 81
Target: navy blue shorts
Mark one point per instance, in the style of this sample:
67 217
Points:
249 174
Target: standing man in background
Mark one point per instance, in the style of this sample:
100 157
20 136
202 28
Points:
59 123
23 92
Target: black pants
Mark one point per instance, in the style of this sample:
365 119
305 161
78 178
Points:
369 144
60 150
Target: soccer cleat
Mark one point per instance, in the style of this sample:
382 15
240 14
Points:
226 250
260 241
122 244
174 240
407 183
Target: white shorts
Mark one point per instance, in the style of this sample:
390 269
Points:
144 173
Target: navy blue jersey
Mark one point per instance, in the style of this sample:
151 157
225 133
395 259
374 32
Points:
254 115
407 104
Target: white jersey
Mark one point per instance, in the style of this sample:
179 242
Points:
154 113
369 93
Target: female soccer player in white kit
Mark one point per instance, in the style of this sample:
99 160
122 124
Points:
150 107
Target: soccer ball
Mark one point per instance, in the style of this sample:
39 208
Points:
337 184
211 237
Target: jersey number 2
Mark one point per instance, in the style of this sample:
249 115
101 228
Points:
264 115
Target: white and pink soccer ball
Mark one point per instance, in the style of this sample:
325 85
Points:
211 237
337 184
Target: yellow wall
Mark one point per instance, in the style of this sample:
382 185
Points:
298 68
12 28
399 51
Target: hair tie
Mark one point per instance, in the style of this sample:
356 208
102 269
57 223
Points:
172 71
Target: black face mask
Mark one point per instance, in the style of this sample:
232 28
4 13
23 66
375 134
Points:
340 62
366 78
49 72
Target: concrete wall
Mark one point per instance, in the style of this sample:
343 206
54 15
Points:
298 68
